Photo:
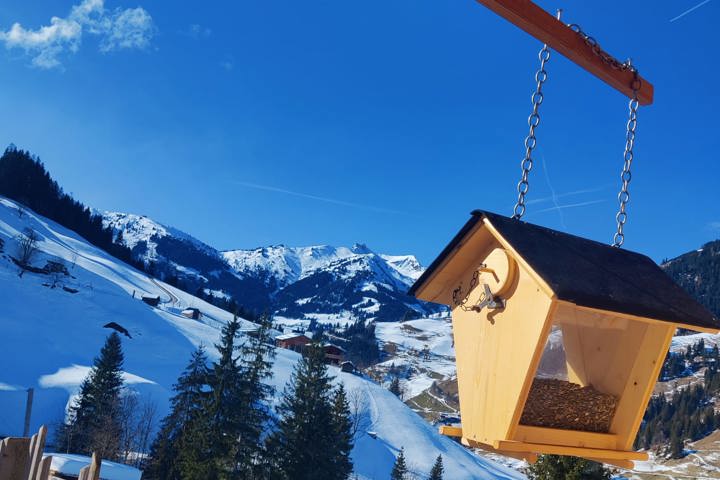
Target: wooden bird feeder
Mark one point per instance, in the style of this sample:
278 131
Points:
559 340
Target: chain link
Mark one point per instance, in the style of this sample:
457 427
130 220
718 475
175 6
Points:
461 302
626 175
597 50
534 120
531 141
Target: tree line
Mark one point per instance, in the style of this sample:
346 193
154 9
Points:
23 178
688 414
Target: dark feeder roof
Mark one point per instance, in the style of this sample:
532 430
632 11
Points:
590 274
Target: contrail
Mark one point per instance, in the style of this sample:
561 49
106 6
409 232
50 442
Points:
552 193
570 194
689 10
571 205
334 201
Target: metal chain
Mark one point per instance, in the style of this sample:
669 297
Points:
597 50
626 175
458 291
531 141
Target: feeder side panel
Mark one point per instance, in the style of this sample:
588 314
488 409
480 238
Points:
644 373
497 353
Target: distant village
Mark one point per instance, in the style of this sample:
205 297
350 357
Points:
296 340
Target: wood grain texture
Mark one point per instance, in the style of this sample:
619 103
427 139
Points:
14 460
610 454
526 456
571 438
497 351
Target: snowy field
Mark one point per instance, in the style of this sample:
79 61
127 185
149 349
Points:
51 335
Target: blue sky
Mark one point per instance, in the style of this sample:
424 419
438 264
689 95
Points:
384 122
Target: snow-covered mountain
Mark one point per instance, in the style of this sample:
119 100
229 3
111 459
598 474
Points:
284 265
321 282
53 326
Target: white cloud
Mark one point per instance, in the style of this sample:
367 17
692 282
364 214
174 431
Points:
198 31
130 28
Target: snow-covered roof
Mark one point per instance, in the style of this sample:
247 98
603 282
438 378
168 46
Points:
288 336
70 464
334 346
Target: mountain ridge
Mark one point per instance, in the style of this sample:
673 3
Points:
278 278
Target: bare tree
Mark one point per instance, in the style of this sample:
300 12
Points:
145 426
360 419
128 409
137 420
27 248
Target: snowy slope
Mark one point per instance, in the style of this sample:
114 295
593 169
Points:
51 335
139 229
422 355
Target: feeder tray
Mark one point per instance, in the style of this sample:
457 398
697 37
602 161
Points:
560 404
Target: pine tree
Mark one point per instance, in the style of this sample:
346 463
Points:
303 446
94 420
395 387
342 429
224 418
175 437
677 445
399 470
436 473
554 467
256 357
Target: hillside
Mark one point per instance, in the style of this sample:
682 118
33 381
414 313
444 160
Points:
53 327
322 282
698 272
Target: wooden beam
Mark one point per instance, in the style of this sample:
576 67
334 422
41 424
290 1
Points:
531 458
540 24
450 431
512 446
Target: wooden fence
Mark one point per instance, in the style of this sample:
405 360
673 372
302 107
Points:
22 459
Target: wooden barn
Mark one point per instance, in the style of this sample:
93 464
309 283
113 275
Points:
334 355
292 341
348 367
152 301
192 313
517 291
